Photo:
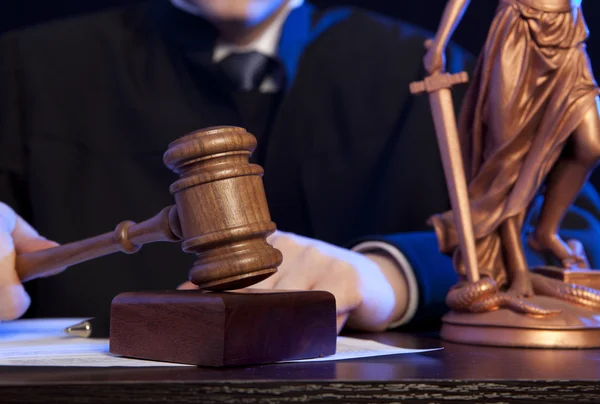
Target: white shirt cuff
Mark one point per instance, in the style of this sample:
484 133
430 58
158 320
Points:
405 268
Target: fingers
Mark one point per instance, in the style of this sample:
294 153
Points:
187 286
301 271
341 321
23 234
25 237
310 264
290 250
344 284
34 244
8 275
8 218
363 294
14 300
272 237
270 282
16 236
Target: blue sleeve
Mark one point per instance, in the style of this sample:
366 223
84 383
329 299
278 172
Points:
433 271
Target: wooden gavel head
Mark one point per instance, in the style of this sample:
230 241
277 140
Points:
222 208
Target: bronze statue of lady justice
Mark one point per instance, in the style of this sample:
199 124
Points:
530 121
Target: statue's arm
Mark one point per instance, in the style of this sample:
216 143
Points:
453 13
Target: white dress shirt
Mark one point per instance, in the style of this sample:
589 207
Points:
267 43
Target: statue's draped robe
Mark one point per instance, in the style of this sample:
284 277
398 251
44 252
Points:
531 89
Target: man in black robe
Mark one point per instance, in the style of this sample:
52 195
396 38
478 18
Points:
89 105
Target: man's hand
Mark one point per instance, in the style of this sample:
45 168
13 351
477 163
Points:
16 236
369 290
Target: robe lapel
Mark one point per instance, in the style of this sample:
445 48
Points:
302 27
293 147
191 41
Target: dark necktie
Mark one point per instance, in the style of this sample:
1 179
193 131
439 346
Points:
245 71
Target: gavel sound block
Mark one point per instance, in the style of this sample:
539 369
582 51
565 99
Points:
221 215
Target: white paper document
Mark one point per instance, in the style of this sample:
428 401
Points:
354 348
43 343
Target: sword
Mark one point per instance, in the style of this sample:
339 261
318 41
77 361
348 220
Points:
442 109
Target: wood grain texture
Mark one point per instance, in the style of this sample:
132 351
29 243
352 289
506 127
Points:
456 373
222 208
223 328
438 391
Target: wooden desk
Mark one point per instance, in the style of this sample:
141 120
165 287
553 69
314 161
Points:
458 372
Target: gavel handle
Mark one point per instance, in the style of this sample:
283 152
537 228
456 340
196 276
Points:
128 237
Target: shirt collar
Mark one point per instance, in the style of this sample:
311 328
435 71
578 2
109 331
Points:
267 43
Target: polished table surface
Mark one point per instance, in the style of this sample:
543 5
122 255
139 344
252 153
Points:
458 372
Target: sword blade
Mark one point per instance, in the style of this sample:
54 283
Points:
442 109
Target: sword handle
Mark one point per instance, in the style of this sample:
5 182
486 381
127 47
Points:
438 82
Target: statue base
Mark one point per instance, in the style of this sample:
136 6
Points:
583 277
575 327
237 328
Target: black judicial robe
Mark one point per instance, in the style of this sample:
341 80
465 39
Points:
89 105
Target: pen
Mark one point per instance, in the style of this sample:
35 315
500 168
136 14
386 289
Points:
93 328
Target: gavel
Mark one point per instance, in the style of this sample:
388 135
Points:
220 214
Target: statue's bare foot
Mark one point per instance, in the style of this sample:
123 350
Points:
550 242
571 254
521 285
